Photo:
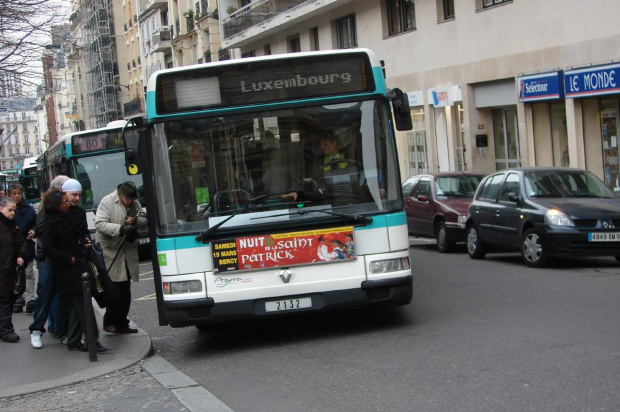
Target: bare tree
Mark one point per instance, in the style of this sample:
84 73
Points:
24 33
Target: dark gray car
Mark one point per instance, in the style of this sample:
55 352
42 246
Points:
544 212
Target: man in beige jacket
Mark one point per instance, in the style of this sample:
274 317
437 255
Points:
117 223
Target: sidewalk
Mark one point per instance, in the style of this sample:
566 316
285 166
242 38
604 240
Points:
26 371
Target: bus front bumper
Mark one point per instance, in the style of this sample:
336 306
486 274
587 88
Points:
396 291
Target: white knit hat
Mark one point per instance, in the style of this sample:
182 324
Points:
72 185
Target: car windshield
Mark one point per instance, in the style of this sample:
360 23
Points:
565 183
457 186
263 168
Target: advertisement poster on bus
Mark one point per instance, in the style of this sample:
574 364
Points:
283 249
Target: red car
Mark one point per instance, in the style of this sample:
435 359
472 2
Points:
436 205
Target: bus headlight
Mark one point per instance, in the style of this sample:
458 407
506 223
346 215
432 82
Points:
389 265
177 288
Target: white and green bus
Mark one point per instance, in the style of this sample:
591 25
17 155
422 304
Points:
96 158
249 216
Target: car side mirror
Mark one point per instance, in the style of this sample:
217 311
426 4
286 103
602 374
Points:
423 198
513 197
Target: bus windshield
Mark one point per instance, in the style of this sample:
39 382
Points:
280 167
99 176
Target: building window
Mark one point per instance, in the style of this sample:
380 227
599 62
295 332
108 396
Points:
490 3
447 9
294 44
400 16
248 54
345 32
314 38
267 50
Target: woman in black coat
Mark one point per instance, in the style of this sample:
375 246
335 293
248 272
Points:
65 245
12 253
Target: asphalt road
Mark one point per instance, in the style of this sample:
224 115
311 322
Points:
490 335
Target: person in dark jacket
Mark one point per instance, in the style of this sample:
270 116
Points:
47 302
12 254
65 245
26 218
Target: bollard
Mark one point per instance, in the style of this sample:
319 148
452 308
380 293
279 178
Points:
89 315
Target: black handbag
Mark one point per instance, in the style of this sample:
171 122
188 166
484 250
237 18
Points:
104 290
19 287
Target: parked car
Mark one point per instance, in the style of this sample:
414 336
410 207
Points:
544 213
436 206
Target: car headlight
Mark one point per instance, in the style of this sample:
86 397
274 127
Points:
389 265
176 288
462 219
556 218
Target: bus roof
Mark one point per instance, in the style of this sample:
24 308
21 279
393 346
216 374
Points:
30 162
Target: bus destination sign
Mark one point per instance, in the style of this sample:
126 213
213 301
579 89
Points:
283 249
87 143
264 82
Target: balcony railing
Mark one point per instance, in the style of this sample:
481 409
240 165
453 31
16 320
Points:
256 13
161 39
146 5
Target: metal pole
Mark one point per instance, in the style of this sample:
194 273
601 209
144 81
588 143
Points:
89 314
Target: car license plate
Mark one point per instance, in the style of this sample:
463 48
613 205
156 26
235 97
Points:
288 304
604 237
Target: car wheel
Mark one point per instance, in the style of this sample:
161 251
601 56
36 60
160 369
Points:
532 250
441 235
475 247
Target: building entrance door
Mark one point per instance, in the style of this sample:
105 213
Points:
505 132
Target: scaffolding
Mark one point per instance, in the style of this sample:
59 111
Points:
98 31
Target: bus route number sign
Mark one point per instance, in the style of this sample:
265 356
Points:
97 142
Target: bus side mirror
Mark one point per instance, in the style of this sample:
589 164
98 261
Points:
402 111
133 139
133 162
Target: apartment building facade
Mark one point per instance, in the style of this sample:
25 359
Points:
486 78
22 135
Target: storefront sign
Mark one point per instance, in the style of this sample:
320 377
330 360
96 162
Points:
592 81
444 96
283 249
415 98
537 87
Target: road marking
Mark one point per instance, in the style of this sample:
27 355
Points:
146 279
146 273
147 297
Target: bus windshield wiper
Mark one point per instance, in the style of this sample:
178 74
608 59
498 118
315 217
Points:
249 206
204 235
348 216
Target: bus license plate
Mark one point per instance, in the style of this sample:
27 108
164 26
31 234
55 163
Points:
604 237
288 304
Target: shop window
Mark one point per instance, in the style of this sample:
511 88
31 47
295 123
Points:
609 132
346 36
505 132
416 144
400 16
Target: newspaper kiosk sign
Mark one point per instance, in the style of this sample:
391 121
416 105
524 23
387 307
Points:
592 81
283 249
